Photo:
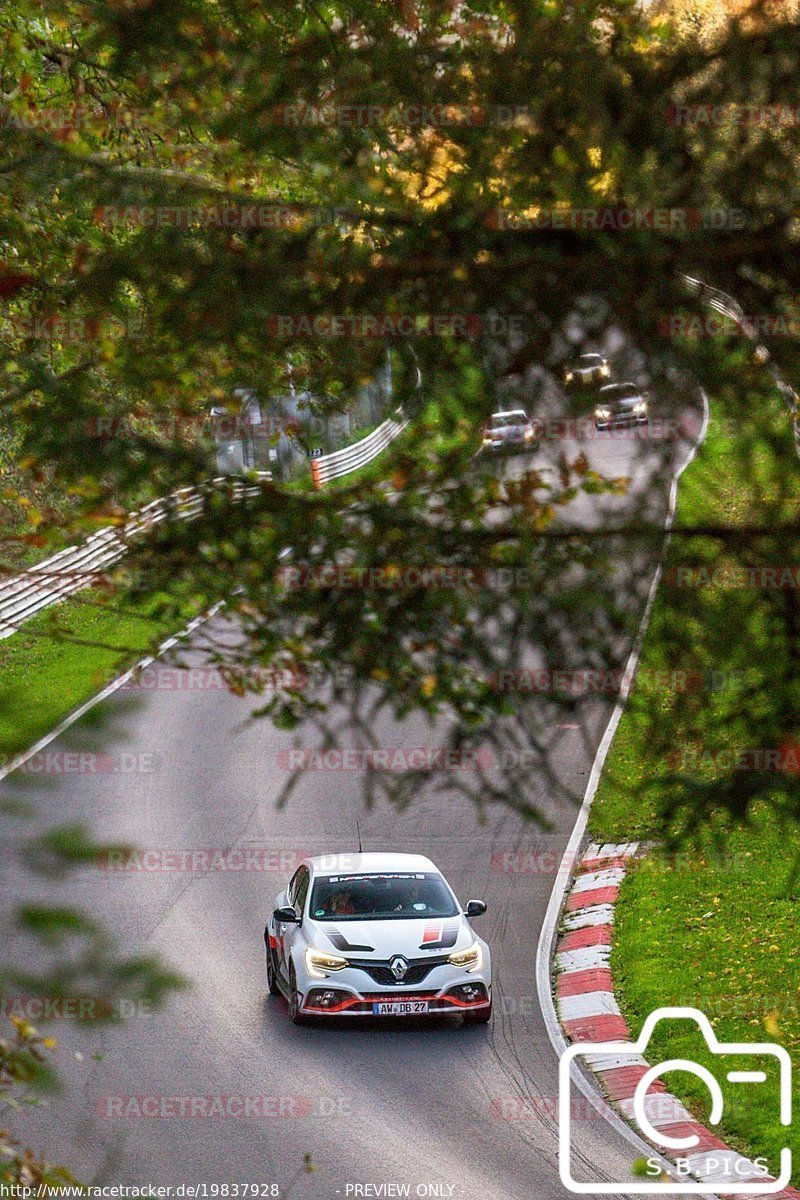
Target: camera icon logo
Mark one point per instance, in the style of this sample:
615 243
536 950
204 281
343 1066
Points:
720 1173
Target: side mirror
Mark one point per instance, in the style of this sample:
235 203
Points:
285 916
475 908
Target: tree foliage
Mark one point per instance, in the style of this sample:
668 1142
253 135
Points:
414 161
405 163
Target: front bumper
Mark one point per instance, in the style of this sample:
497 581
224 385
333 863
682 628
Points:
621 420
585 377
446 991
449 1002
517 446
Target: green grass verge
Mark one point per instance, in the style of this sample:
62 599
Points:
714 926
61 657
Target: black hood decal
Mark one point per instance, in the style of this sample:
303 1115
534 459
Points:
341 943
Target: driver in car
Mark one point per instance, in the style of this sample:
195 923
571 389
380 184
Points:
341 904
413 901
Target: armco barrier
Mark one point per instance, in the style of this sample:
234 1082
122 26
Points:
78 567
714 298
342 462
722 303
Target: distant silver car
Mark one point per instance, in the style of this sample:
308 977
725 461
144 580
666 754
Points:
589 368
621 404
510 431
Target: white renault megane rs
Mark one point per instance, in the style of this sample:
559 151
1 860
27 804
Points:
364 935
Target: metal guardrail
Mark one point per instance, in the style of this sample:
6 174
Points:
342 462
76 567
80 566
722 303
719 301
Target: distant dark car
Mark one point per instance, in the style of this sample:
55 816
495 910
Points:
621 404
589 368
510 431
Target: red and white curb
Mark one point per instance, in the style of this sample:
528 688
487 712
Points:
589 1012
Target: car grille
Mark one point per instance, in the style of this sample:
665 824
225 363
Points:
381 972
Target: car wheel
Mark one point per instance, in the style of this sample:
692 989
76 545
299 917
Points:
296 1016
480 1016
272 975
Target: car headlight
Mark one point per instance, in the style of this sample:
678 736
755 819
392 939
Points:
605 372
528 434
604 414
319 963
470 959
568 377
640 407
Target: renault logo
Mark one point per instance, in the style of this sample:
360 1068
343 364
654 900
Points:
398 966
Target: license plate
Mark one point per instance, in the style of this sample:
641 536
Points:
399 1008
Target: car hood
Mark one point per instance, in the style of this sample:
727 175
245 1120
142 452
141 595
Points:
382 939
620 403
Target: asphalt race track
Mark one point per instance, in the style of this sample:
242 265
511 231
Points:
447 1110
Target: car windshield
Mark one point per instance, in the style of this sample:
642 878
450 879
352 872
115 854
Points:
589 360
620 391
506 420
398 896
